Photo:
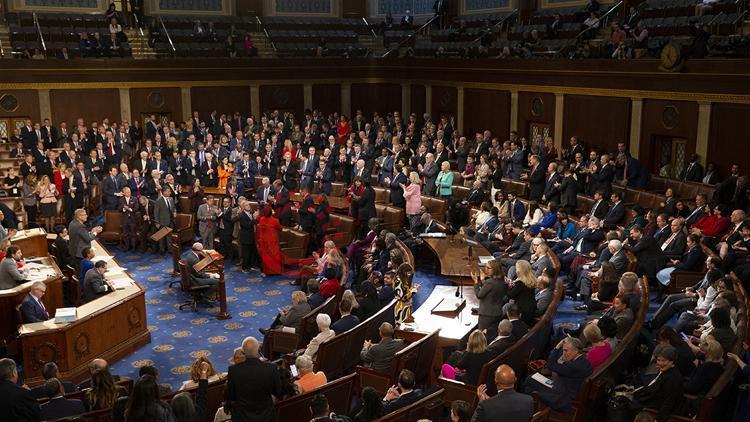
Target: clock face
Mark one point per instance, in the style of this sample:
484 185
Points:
670 56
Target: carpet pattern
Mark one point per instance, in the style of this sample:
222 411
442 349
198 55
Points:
179 337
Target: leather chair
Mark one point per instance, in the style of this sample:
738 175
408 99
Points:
183 203
192 290
112 229
382 195
338 189
184 228
293 243
392 217
460 192
436 207
341 229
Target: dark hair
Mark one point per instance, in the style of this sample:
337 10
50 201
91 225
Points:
607 326
99 264
346 305
183 408
696 238
720 317
372 405
462 410
148 370
50 370
288 388
59 229
406 379
669 334
318 405
11 250
52 387
368 290
143 402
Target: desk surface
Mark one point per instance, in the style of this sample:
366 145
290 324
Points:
335 202
452 330
452 254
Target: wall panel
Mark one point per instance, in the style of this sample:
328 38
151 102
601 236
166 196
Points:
538 108
599 121
678 119
223 99
486 109
21 103
91 104
283 98
326 97
417 100
156 100
380 97
444 101
727 141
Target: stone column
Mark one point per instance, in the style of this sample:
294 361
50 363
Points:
187 103
125 112
428 99
704 126
405 101
636 115
45 107
460 109
308 97
513 110
255 101
559 114
346 98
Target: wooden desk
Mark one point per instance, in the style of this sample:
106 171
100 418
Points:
33 242
453 257
338 203
109 327
11 298
453 330
215 191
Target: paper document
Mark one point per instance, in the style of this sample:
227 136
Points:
541 379
35 266
63 315
435 235
484 260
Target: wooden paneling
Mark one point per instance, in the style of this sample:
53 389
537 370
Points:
223 99
354 8
486 109
156 100
326 97
27 104
417 100
91 104
727 141
283 98
597 121
657 121
444 101
383 98
249 7
536 107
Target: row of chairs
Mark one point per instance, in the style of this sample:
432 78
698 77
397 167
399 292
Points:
298 22
55 33
480 19
248 23
666 8
85 20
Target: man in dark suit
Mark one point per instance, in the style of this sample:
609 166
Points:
504 338
379 356
571 368
251 386
366 204
50 371
209 169
248 252
94 284
80 236
403 394
544 294
201 278
552 185
692 260
32 307
347 320
308 168
112 190
508 404
519 327
650 256
429 172
674 244
693 172
164 215
17 403
536 179
603 176
49 135
698 211
584 242
616 213
324 178
282 206
58 406
516 209
476 195
10 275
396 184
491 293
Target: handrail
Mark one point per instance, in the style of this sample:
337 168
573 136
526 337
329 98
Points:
500 23
39 32
411 36
268 36
601 20
137 24
164 27
2 52
374 35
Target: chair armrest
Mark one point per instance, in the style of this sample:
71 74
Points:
457 390
282 341
369 377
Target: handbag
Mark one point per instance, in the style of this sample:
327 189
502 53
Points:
619 408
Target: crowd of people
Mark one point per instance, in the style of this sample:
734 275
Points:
140 171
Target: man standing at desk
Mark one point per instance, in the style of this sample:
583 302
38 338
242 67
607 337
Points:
10 276
32 308
80 236
94 284
164 215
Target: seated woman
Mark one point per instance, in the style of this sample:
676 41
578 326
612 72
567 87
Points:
534 215
195 373
371 406
308 379
468 364
707 370
501 203
368 302
145 403
290 316
664 393
548 221
639 219
600 350
324 333
103 392
608 287
566 229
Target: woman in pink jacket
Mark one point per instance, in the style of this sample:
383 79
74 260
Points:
413 197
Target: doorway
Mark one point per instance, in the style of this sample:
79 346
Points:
669 155
538 129
9 124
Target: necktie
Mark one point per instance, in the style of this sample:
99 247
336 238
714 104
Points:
208 222
44 310
669 240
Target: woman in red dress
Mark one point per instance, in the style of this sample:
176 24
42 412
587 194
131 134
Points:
267 239
343 129
288 147
355 191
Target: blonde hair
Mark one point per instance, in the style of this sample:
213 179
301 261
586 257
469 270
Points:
195 368
714 351
592 333
298 296
446 165
524 273
414 177
477 342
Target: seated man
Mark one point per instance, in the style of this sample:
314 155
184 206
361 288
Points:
519 327
619 261
17 403
507 404
308 379
568 368
379 356
201 278
290 316
692 260
32 307
58 406
94 284
584 243
49 372
10 276
504 338
403 394
347 320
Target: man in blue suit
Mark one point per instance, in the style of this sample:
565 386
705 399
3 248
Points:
32 308
396 184
692 260
585 242
58 406
571 368
516 209
616 212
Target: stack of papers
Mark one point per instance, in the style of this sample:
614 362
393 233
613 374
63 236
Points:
63 315
435 235
484 260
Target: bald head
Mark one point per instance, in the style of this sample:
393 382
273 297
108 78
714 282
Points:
197 246
98 365
250 347
505 377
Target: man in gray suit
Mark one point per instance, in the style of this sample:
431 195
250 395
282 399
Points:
429 172
10 276
80 237
164 215
379 356
543 295
504 338
94 284
514 161
540 261
507 405
208 216
200 278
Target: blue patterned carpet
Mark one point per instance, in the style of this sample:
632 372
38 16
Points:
178 337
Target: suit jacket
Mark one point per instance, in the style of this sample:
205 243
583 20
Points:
692 173
600 211
507 405
250 387
692 260
190 260
537 182
541 264
204 217
676 247
109 189
247 229
475 197
589 238
543 299
403 401
569 192
366 204
491 294
163 214
516 211
18 404
620 261
430 175
32 311
397 193
602 179
519 329
60 407
570 377
10 276
294 315
615 214
344 324
515 165
665 394
499 345
94 285
651 258
80 238
380 355
551 192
